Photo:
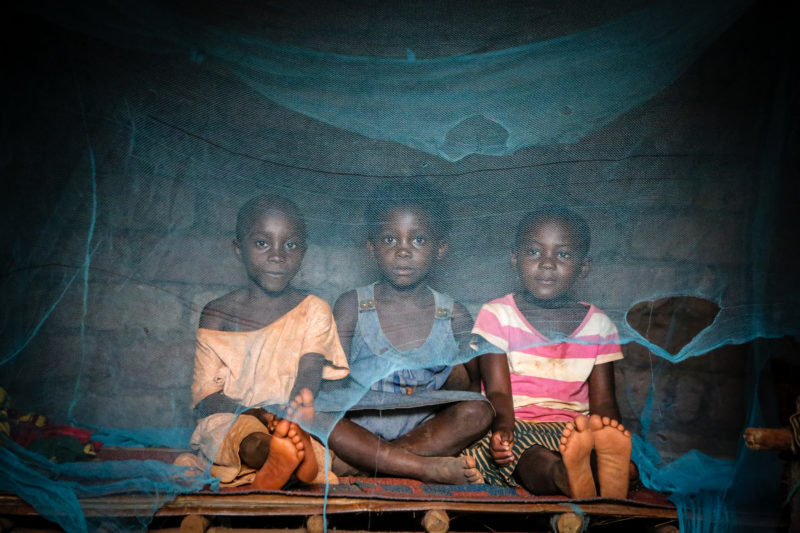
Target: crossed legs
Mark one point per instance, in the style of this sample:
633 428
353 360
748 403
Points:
425 453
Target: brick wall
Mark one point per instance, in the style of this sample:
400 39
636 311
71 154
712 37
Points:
166 201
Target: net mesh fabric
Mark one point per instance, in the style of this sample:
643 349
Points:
134 132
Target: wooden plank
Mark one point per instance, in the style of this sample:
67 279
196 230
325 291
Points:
215 529
280 504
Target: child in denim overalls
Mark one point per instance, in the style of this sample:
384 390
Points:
421 407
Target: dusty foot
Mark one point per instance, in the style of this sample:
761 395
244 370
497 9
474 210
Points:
284 457
576 446
307 470
453 471
301 408
320 453
301 412
612 444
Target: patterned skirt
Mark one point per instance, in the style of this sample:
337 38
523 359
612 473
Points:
526 435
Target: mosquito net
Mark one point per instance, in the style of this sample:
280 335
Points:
134 131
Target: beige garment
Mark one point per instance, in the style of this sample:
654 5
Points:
223 433
260 367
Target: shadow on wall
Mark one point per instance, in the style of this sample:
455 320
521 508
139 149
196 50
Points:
702 402
698 403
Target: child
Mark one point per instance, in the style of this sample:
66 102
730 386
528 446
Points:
406 425
555 369
265 345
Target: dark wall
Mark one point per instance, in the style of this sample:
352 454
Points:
169 149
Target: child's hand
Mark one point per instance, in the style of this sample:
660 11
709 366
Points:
500 446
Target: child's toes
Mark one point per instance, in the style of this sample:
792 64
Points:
307 397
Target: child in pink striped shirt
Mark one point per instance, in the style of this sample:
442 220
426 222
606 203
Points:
549 372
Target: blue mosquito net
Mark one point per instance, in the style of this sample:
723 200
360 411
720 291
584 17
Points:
134 131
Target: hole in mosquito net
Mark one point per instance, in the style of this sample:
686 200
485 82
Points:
672 322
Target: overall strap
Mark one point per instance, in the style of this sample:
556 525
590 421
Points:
370 352
444 305
366 298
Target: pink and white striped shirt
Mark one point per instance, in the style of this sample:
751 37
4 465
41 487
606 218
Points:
549 382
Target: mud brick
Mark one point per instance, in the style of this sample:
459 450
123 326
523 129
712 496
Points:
189 258
120 306
146 202
704 238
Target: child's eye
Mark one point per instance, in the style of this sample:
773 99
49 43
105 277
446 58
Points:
291 245
533 253
261 244
564 255
418 241
388 239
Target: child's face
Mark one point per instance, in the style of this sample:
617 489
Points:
549 260
406 247
271 251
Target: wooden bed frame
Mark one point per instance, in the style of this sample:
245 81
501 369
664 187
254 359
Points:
198 509
202 512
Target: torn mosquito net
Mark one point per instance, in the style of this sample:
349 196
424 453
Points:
134 132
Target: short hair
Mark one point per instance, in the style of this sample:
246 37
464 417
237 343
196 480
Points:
266 203
575 222
408 193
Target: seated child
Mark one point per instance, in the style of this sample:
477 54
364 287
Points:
554 369
408 424
266 345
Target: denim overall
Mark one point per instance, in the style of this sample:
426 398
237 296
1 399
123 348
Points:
403 389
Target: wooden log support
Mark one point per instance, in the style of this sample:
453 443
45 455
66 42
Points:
768 438
315 524
195 523
6 525
666 528
794 505
436 521
569 523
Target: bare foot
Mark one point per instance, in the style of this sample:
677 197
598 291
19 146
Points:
301 408
284 457
576 446
308 468
612 444
453 471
